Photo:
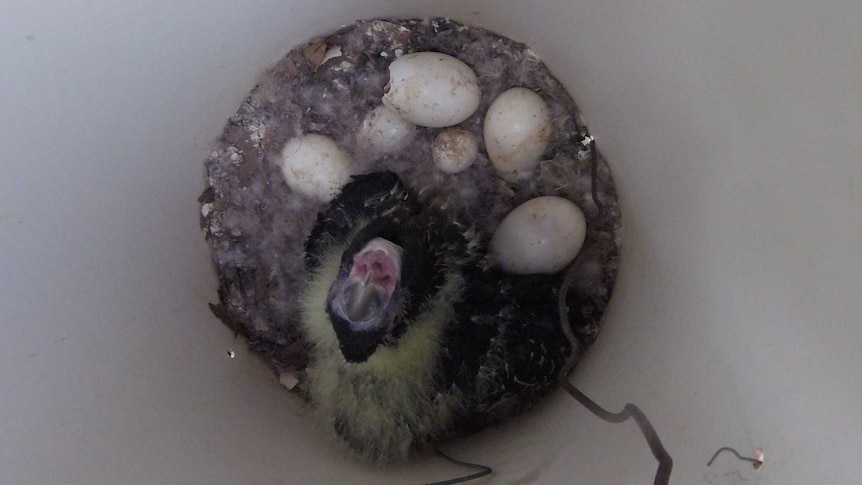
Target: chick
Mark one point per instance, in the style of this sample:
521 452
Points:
413 336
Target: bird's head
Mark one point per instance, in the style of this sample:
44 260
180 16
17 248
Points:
385 273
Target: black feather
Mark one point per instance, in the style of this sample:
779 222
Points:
365 198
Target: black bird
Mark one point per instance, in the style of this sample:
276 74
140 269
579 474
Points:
413 335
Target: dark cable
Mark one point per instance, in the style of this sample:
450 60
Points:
485 470
665 462
755 461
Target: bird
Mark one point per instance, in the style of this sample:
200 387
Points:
414 336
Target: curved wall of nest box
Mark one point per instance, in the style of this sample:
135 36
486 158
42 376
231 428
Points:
733 134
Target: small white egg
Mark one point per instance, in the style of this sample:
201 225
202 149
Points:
314 166
383 132
432 89
454 150
541 235
517 130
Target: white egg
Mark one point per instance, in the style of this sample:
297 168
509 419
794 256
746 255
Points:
454 150
517 130
432 89
541 235
383 132
314 166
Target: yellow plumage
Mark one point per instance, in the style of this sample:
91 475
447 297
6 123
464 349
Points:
390 403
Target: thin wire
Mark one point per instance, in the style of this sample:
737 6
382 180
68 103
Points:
665 462
485 470
755 461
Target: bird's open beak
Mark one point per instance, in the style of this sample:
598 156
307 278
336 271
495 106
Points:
363 299
368 289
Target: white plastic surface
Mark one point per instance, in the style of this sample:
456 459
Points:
733 129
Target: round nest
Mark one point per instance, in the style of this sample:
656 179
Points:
256 225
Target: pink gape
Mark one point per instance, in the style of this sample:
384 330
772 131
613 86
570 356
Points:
376 266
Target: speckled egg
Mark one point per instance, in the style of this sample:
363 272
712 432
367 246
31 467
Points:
314 166
454 150
542 235
517 130
432 89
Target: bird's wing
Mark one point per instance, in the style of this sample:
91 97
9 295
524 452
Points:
507 347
